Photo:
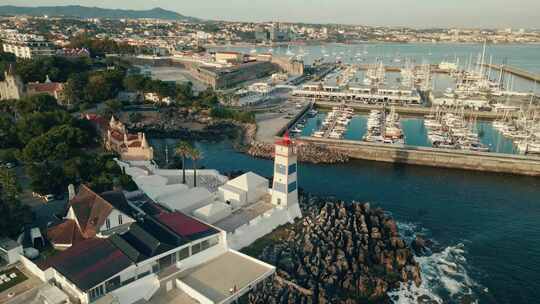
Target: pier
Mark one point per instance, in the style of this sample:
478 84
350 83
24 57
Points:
515 71
408 110
433 157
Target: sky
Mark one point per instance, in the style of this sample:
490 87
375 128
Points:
414 13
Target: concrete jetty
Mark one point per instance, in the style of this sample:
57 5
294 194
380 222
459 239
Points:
408 110
515 71
467 160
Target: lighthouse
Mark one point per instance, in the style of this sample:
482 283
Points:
285 184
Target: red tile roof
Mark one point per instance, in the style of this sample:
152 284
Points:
117 135
88 263
48 87
91 211
186 226
66 233
135 144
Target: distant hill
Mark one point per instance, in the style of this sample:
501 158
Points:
78 11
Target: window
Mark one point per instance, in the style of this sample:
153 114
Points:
112 284
292 187
131 280
120 220
281 169
108 224
183 254
292 169
205 245
142 275
214 241
280 187
96 293
196 248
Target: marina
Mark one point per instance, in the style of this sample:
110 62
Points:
414 132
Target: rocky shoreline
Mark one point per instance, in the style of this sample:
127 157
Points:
219 130
307 153
337 253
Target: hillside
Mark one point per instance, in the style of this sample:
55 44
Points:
77 11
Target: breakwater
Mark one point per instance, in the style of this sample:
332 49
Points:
337 253
309 153
467 160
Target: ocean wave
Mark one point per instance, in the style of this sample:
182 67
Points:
444 275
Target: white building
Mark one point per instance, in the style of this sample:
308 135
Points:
163 256
27 46
243 190
245 208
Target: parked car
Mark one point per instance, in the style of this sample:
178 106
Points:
49 197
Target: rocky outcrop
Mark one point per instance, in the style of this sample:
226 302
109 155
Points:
307 153
337 253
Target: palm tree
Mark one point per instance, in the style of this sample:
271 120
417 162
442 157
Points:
183 149
195 156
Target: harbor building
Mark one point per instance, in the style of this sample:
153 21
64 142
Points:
359 94
27 46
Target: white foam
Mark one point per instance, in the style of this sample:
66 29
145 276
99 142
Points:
444 275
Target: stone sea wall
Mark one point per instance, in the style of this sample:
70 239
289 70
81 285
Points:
479 161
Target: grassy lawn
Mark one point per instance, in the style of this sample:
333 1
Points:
7 285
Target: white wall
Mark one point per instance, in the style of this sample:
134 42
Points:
236 198
247 234
113 219
192 293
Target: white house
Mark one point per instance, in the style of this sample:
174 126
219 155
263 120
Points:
243 190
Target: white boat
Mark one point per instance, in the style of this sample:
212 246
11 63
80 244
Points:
318 134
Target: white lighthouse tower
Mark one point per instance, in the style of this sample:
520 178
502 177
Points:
285 184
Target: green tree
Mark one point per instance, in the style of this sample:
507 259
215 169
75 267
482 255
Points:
35 124
74 88
36 103
183 149
135 83
13 215
195 155
112 107
8 132
58 144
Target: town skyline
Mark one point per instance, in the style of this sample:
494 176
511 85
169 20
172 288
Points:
417 14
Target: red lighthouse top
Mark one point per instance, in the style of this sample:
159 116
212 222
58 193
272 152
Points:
285 140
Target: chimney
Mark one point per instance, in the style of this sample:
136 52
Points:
71 192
